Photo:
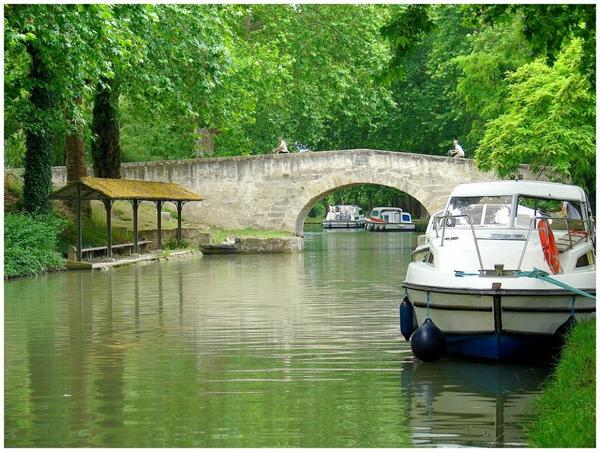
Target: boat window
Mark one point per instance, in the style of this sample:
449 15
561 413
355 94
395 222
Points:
536 207
483 210
406 218
585 260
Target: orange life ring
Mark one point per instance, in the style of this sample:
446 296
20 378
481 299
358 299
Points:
549 245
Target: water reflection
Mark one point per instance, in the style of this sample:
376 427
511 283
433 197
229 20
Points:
476 403
244 351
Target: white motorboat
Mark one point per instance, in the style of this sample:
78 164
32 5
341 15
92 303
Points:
501 272
344 216
385 219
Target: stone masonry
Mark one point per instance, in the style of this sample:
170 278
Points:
277 191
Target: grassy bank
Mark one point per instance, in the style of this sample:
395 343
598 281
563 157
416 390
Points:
218 235
566 410
314 220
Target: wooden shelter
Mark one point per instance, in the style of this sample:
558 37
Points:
135 191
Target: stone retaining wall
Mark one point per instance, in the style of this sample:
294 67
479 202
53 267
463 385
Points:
270 245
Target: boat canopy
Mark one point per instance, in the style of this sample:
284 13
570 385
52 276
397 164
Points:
397 209
533 189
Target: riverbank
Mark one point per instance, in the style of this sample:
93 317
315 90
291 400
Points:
566 410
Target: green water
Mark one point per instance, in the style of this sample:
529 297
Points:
245 351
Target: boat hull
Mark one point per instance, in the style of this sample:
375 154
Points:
334 224
500 325
504 347
220 249
388 227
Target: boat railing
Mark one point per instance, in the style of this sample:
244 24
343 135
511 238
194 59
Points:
587 224
588 229
445 219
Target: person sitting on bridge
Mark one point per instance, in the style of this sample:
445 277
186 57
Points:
281 147
457 150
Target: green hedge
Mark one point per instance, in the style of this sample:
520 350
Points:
30 244
566 410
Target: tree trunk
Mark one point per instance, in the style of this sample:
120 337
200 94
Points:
38 139
106 150
75 160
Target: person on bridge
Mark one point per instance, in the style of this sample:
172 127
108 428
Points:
457 150
281 147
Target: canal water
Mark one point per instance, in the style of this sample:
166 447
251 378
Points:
245 351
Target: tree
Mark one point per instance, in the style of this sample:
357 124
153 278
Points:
481 84
427 113
38 177
549 121
106 148
550 27
166 79
53 51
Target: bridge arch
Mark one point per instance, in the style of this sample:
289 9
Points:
305 209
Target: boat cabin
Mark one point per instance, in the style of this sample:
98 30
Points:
514 204
391 215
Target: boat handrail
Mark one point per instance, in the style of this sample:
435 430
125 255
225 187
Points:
533 223
468 217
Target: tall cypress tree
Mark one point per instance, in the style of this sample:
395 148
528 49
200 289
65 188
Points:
38 137
106 149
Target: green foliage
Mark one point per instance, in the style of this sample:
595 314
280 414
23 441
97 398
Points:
318 210
548 28
549 121
368 196
404 30
481 86
30 244
306 72
174 244
53 52
427 113
566 410
14 149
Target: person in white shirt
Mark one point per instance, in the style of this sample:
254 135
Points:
457 150
281 147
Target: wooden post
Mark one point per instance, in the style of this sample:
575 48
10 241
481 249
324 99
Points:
135 203
79 224
108 207
159 224
179 208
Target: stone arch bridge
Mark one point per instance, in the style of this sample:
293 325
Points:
277 191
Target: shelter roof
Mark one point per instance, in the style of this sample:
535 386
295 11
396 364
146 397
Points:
124 189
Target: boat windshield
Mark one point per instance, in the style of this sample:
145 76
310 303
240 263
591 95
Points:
492 211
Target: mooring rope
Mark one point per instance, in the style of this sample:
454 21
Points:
545 276
538 274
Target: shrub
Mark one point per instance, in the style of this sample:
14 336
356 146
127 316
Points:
30 244
174 244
